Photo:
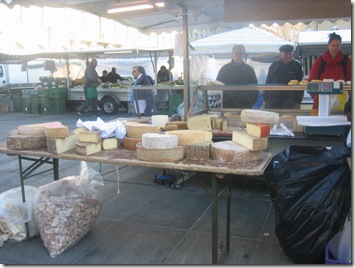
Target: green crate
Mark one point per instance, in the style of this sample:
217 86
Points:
45 108
34 98
57 106
43 99
17 103
35 108
58 93
26 99
26 108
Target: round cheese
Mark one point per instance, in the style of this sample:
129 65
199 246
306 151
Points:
257 116
130 143
56 131
229 151
160 155
159 141
136 130
187 136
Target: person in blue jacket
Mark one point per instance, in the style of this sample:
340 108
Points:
283 71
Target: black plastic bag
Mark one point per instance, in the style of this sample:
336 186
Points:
310 188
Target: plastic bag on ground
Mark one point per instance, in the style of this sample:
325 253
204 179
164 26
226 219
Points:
310 188
66 209
14 214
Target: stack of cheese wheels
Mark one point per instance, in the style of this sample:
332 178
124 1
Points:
134 134
159 148
246 144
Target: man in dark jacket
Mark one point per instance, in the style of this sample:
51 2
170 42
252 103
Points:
237 72
142 79
113 77
283 71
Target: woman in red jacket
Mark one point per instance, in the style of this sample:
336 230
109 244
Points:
332 67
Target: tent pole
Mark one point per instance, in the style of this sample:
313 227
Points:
186 61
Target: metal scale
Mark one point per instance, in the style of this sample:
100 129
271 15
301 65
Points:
325 89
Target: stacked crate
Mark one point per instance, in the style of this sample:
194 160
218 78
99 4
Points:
26 101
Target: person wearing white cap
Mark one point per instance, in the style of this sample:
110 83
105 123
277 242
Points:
283 71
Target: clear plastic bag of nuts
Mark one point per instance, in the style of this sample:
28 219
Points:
66 209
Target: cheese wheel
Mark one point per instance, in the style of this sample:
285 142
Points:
136 130
159 141
56 131
34 129
130 143
160 155
229 151
257 116
258 130
25 142
187 136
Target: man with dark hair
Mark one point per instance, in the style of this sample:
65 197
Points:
113 77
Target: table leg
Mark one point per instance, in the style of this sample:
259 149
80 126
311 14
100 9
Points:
56 168
214 201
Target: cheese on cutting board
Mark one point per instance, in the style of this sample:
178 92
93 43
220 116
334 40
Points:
248 141
187 136
160 155
56 131
109 143
258 130
198 151
159 141
199 122
59 146
178 124
25 142
229 151
136 130
130 143
257 116
90 136
87 148
34 129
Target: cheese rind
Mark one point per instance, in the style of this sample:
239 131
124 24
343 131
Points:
90 136
136 130
56 131
109 143
25 142
199 122
187 136
87 148
248 141
178 124
59 146
160 155
229 151
258 130
257 116
34 129
159 141
198 151
130 143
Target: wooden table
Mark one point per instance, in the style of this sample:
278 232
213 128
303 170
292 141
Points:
217 170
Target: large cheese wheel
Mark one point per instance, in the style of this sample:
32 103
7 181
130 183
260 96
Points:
160 155
229 151
257 116
136 130
56 131
34 129
159 141
187 136
130 143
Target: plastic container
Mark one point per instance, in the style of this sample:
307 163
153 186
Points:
17 103
57 106
330 260
35 108
26 108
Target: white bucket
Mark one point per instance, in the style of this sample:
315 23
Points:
160 120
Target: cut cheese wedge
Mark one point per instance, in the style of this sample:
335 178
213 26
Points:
87 148
199 122
136 130
159 141
258 130
198 151
160 155
257 116
34 129
109 143
90 136
187 136
56 131
178 124
229 151
248 141
59 146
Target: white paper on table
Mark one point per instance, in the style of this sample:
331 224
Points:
323 121
111 129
